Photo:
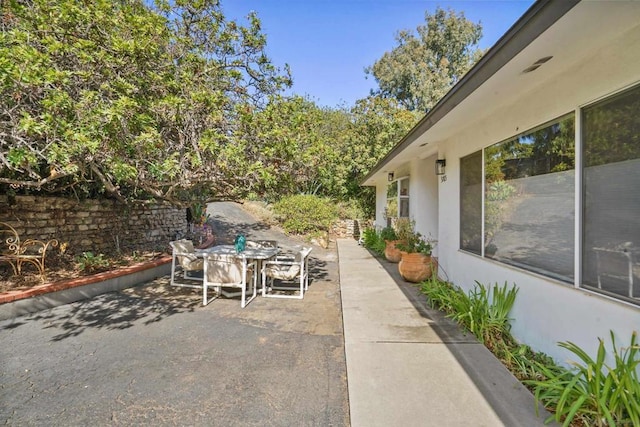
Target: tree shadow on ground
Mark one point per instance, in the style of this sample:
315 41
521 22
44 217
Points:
117 310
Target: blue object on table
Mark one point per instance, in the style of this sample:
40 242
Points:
240 243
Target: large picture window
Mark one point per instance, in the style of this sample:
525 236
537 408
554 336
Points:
529 200
518 199
611 195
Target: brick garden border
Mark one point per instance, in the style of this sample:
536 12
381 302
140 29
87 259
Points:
48 295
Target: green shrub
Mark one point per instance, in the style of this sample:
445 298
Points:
593 392
350 209
388 233
441 295
305 213
372 239
485 311
90 262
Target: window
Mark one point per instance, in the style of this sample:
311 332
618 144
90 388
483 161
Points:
611 195
529 200
517 199
471 203
398 199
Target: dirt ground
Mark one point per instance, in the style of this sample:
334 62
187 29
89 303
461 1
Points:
62 266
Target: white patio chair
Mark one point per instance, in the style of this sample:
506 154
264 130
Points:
185 261
228 271
262 244
286 270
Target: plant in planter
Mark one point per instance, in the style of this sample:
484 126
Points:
388 234
398 234
416 264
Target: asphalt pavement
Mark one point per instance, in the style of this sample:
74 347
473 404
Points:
153 355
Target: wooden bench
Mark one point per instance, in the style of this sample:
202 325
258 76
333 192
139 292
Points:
17 252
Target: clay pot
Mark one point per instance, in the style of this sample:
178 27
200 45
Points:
415 267
391 253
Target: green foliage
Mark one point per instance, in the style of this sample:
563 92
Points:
441 295
199 213
350 209
388 233
374 240
127 99
500 191
485 311
306 213
424 66
593 392
416 243
404 228
90 262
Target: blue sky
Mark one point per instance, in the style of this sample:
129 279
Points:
329 43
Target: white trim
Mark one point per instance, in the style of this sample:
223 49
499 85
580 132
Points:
578 217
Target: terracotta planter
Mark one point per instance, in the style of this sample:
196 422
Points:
415 267
391 253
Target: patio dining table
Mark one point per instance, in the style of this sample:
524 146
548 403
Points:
258 254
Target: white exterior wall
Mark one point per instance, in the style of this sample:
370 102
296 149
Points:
423 196
381 204
546 311
589 62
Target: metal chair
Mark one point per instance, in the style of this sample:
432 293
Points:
286 270
228 271
185 260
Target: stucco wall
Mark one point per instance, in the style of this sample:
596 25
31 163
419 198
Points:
546 311
93 225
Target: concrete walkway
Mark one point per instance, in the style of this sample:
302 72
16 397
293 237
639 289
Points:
407 365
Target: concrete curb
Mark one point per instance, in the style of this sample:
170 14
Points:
49 295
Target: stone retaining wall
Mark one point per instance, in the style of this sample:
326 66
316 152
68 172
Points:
344 228
100 226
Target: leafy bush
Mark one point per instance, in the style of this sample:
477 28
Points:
500 191
416 243
305 213
441 294
485 311
90 262
593 392
373 240
350 209
388 233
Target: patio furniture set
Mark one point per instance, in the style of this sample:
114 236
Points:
233 271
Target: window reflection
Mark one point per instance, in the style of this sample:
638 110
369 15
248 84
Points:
529 200
611 239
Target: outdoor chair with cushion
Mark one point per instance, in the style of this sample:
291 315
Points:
185 260
223 271
294 270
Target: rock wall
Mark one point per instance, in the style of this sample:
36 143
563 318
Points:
99 226
345 228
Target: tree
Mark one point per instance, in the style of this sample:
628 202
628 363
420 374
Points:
117 98
424 65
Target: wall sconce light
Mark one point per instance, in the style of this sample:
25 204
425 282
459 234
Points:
440 164
390 176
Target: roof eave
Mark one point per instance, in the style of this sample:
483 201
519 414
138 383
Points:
536 20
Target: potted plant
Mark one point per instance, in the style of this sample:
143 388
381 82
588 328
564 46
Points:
416 264
388 234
